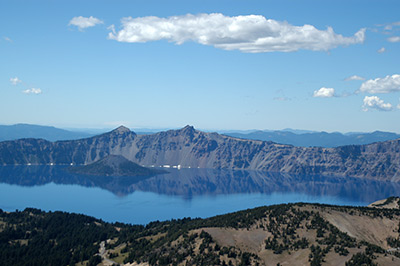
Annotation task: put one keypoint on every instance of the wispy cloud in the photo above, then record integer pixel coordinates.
(324, 93)
(7, 39)
(251, 34)
(32, 91)
(281, 99)
(354, 77)
(389, 27)
(84, 22)
(374, 102)
(15, 81)
(394, 39)
(387, 84)
(382, 50)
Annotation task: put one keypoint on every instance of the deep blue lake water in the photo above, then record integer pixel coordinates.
(178, 194)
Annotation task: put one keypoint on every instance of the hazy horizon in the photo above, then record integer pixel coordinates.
(95, 130)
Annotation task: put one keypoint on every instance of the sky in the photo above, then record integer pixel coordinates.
(217, 65)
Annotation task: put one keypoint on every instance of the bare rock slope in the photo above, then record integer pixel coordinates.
(192, 148)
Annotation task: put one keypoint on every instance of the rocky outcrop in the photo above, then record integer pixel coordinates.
(188, 147)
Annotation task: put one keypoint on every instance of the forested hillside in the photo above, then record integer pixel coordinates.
(281, 234)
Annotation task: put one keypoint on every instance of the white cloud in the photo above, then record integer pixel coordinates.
(83, 22)
(32, 91)
(374, 102)
(324, 93)
(15, 81)
(354, 77)
(381, 85)
(382, 50)
(7, 39)
(251, 34)
(394, 39)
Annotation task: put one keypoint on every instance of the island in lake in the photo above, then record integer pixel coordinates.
(114, 165)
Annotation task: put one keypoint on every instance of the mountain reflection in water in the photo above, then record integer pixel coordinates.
(189, 183)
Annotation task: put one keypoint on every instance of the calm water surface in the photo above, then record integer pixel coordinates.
(178, 194)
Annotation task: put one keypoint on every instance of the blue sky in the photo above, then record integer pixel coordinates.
(212, 64)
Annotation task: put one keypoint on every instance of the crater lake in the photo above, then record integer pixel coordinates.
(177, 194)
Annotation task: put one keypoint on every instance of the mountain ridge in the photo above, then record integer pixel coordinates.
(189, 147)
(296, 137)
(18, 131)
(317, 139)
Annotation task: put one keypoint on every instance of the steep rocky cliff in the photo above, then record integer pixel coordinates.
(188, 147)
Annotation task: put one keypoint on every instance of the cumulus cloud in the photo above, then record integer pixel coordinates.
(15, 81)
(83, 22)
(251, 34)
(324, 93)
(354, 77)
(394, 39)
(374, 102)
(382, 50)
(32, 91)
(387, 84)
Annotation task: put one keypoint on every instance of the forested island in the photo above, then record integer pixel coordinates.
(301, 234)
(114, 165)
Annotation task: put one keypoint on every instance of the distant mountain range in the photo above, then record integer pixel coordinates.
(188, 147)
(301, 138)
(21, 131)
(317, 139)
